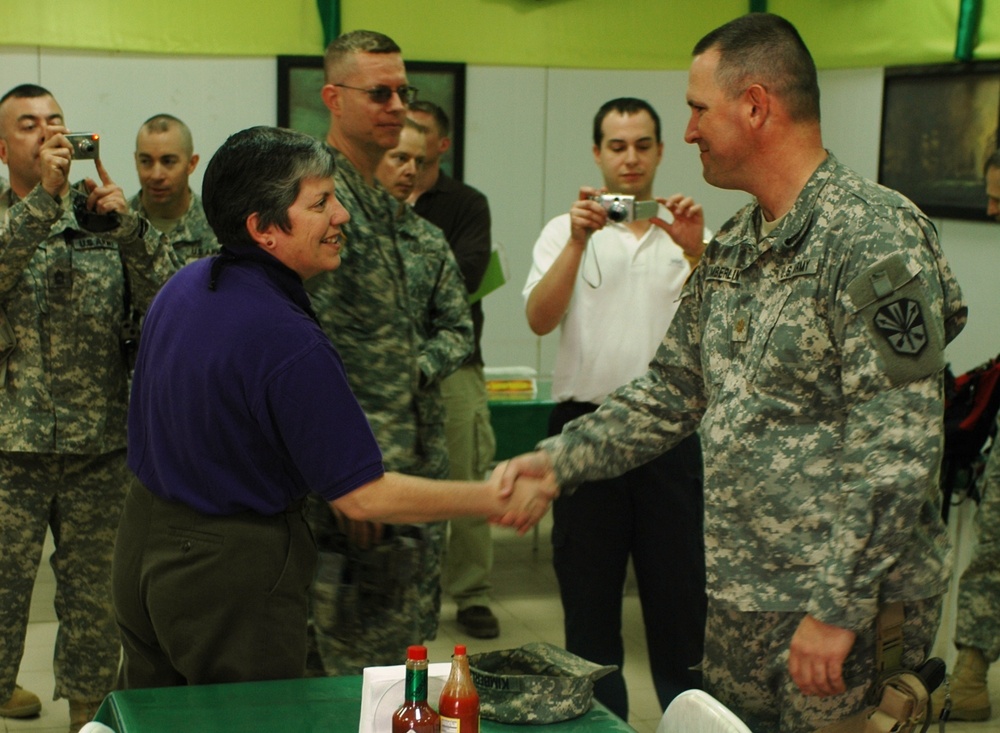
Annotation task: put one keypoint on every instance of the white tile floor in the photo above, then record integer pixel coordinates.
(526, 601)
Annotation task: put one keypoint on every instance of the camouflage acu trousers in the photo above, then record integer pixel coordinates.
(979, 591)
(80, 499)
(746, 667)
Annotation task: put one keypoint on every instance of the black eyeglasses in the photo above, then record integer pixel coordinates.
(382, 94)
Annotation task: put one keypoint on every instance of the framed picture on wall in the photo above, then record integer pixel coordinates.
(301, 108)
(939, 124)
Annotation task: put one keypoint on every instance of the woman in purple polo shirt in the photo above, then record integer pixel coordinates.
(240, 407)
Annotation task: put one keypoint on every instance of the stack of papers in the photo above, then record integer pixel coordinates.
(515, 381)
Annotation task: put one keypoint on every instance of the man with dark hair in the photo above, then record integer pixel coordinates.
(69, 258)
(808, 351)
(612, 290)
(463, 214)
(377, 588)
(164, 160)
(440, 312)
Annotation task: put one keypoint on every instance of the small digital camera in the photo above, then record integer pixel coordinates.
(86, 145)
(624, 208)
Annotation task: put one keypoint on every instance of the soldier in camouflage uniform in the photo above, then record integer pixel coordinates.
(808, 349)
(164, 160)
(366, 308)
(977, 634)
(444, 326)
(64, 393)
(463, 214)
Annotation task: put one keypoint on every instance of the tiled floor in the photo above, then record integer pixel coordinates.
(526, 601)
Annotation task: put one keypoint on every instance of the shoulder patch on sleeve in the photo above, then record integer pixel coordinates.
(902, 324)
(895, 305)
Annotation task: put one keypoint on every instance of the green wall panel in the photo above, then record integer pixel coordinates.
(638, 34)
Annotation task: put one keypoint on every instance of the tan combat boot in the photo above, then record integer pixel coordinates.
(22, 704)
(82, 712)
(970, 697)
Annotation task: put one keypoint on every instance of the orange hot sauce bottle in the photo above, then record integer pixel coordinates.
(415, 714)
(459, 704)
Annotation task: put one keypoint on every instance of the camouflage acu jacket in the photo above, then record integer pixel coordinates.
(365, 308)
(438, 294)
(63, 290)
(811, 362)
(443, 320)
(192, 238)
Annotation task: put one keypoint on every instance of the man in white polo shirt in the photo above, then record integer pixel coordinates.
(612, 289)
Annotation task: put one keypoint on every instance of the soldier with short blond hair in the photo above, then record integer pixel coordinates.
(377, 586)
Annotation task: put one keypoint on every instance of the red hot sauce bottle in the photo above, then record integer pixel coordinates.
(415, 714)
(459, 704)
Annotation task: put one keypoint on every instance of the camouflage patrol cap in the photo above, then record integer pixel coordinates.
(535, 683)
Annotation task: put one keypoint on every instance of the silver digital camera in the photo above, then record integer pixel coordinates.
(624, 208)
(86, 145)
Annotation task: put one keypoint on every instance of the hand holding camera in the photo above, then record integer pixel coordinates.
(686, 225)
(108, 198)
(105, 203)
(54, 158)
(84, 145)
(596, 207)
(623, 208)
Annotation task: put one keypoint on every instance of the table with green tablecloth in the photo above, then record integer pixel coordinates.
(315, 705)
(520, 421)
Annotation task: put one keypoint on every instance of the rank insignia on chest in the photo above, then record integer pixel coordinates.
(740, 328)
(902, 324)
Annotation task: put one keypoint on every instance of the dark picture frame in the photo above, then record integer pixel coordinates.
(301, 108)
(939, 124)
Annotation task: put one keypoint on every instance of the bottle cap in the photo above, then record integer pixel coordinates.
(416, 652)
(460, 650)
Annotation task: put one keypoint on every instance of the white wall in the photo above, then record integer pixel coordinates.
(528, 141)
(528, 181)
(112, 94)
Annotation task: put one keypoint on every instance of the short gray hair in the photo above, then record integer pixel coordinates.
(259, 171)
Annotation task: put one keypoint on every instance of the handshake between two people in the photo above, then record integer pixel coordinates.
(527, 485)
(517, 494)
